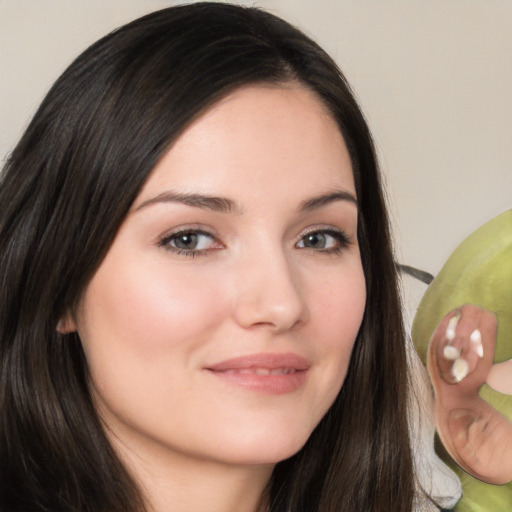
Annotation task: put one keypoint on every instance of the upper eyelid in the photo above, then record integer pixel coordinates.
(325, 229)
(316, 228)
(188, 229)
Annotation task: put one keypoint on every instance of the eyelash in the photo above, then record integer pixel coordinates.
(165, 242)
(340, 237)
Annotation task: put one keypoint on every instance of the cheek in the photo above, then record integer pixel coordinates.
(143, 310)
(337, 307)
(142, 327)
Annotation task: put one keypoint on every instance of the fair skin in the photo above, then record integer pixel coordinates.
(218, 332)
(500, 377)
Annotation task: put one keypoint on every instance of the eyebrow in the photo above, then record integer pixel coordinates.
(225, 205)
(205, 202)
(325, 199)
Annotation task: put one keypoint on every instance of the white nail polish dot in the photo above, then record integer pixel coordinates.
(451, 353)
(452, 326)
(476, 337)
(450, 334)
(460, 369)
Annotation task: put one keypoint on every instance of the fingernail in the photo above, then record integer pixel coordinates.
(452, 326)
(460, 369)
(476, 340)
(451, 353)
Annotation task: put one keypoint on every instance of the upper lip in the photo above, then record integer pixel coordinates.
(272, 361)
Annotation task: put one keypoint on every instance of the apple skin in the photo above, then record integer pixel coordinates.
(479, 272)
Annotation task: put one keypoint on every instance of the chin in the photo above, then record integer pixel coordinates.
(269, 450)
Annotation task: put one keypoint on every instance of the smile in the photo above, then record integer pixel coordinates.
(273, 374)
(264, 371)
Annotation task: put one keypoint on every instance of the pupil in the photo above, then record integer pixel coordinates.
(315, 240)
(186, 241)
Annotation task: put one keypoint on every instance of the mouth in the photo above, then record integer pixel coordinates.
(274, 374)
(262, 371)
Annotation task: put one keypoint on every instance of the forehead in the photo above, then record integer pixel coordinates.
(272, 134)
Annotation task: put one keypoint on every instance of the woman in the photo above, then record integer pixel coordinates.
(198, 300)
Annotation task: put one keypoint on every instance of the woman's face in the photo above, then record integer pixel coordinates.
(220, 324)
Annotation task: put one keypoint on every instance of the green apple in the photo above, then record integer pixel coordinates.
(479, 272)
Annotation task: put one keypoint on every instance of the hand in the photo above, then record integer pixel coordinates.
(460, 357)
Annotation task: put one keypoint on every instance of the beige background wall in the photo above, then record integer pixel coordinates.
(434, 78)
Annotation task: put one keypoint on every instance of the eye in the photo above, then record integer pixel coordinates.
(325, 240)
(189, 242)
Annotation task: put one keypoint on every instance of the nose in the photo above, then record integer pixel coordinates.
(268, 293)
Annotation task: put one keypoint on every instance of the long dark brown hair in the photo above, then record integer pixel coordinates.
(64, 192)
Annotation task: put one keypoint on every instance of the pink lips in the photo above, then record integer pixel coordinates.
(267, 373)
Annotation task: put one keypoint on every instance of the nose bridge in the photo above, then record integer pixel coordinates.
(269, 290)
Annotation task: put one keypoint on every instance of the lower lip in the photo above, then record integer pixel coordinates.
(268, 384)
